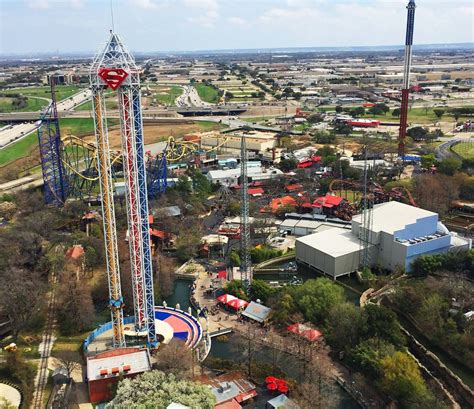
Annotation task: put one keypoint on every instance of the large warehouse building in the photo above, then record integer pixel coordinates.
(398, 234)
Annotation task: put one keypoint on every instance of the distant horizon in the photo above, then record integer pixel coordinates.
(147, 26)
(263, 50)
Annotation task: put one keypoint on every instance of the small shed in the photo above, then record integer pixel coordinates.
(60, 376)
(257, 312)
(281, 402)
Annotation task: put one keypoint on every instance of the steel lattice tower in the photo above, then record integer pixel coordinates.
(245, 241)
(49, 140)
(406, 78)
(114, 67)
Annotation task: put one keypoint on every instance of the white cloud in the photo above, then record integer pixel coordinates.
(145, 4)
(77, 4)
(39, 4)
(237, 21)
(208, 11)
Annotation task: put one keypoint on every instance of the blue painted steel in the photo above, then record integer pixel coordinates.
(49, 140)
(157, 175)
(145, 227)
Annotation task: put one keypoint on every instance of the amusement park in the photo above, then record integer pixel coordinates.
(241, 230)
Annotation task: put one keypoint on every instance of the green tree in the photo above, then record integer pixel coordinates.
(339, 109)
(315, 118)
(383, 323)
(417, 133)
(155, 389)
(396, 112)
(260, 290)
(428, 161)
(284, 308)
(367, 356)
(317, 297)
(236, 288)
(402, 380)
(345, 326)
(467, 188)
(359, 111)
(439, 113)
(234, 258)
(449, 166)
(288, 164)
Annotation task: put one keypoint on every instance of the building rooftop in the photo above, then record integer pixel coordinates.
(118, 361)
(257, 312)
(393, 216)
(335, 241)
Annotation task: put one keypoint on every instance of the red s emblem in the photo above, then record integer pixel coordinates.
(113, 77)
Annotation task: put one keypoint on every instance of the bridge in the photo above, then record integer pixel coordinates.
(223, 331)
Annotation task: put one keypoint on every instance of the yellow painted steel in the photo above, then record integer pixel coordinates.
(109, 221)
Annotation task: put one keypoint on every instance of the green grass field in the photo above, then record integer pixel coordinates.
(464, 149)
(110, 103)
(166, 95)
(62, 91)
(74, 126)
(207, 93)
(32, 104)
(19, 149)
(423, 116)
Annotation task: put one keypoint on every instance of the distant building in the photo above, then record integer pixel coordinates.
(60, 78)
(398, 235)
(230, 177)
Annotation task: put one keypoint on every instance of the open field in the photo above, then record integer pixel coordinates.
(207, 93)
(32, 104)
(62, 91)
(421, 116)
(464, 149)
(27, 145)
(165, 95)
(161, 132)
(110, 103)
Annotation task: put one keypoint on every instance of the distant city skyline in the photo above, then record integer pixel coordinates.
(74, 26)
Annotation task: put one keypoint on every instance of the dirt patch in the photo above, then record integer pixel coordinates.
(152, 133)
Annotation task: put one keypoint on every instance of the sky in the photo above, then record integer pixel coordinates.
(57, 26)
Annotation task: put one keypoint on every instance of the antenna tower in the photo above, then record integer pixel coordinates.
(406, 78)
(366, 225)
(245, 241)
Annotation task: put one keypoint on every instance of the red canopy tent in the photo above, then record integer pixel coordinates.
(272, 386)
(308, 333)
(237, 303)
(222, 274)
(225, 298)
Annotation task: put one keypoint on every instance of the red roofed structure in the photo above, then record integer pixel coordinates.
(294, 187)
(327, 204)
(280, 202)
(308, 333)
(255, 191)
(75, 252)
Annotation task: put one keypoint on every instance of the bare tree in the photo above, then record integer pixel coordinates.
(21, 297)
(175, 358)
(69, 360)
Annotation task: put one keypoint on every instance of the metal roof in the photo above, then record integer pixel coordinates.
(334, 242)
(256, 312)
(394, 216)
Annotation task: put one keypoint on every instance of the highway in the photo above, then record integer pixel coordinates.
(12, 133)
(191, 98)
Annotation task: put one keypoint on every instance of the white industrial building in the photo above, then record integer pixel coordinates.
(398, 234)
(230, 177)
